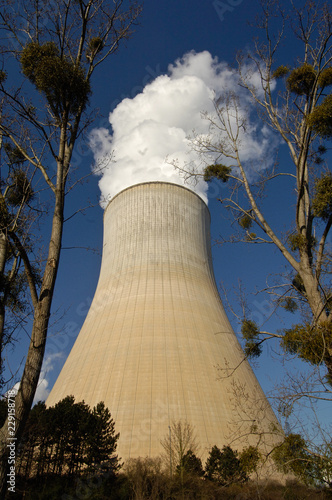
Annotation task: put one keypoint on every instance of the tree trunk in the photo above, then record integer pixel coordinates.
(3, 253)
(318, 308)
(30, 377)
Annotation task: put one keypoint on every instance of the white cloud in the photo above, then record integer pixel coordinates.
(152, 129)
(42, 391)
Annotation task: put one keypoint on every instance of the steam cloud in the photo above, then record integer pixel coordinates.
(150, 131)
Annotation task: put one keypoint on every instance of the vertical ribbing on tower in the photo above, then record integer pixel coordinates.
(156, 331)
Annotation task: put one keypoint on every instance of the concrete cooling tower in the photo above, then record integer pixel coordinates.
(156, 345)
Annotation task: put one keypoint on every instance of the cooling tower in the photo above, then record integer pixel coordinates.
(156, 345)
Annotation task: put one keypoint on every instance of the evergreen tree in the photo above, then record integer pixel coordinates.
(191, 464)
(67, 439)
(102, 443)
(224, 467)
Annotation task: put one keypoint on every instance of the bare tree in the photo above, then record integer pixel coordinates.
(146, 477)
(177, 443)
(57, 47)
(15, 215)
(295, 103)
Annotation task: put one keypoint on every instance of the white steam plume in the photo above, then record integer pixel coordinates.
(151, 131)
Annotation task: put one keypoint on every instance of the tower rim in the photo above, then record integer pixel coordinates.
(146, 183)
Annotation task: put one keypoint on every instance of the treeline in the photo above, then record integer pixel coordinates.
(68, 439)
(68, 451)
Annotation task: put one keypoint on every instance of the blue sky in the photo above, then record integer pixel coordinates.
(167, 31)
